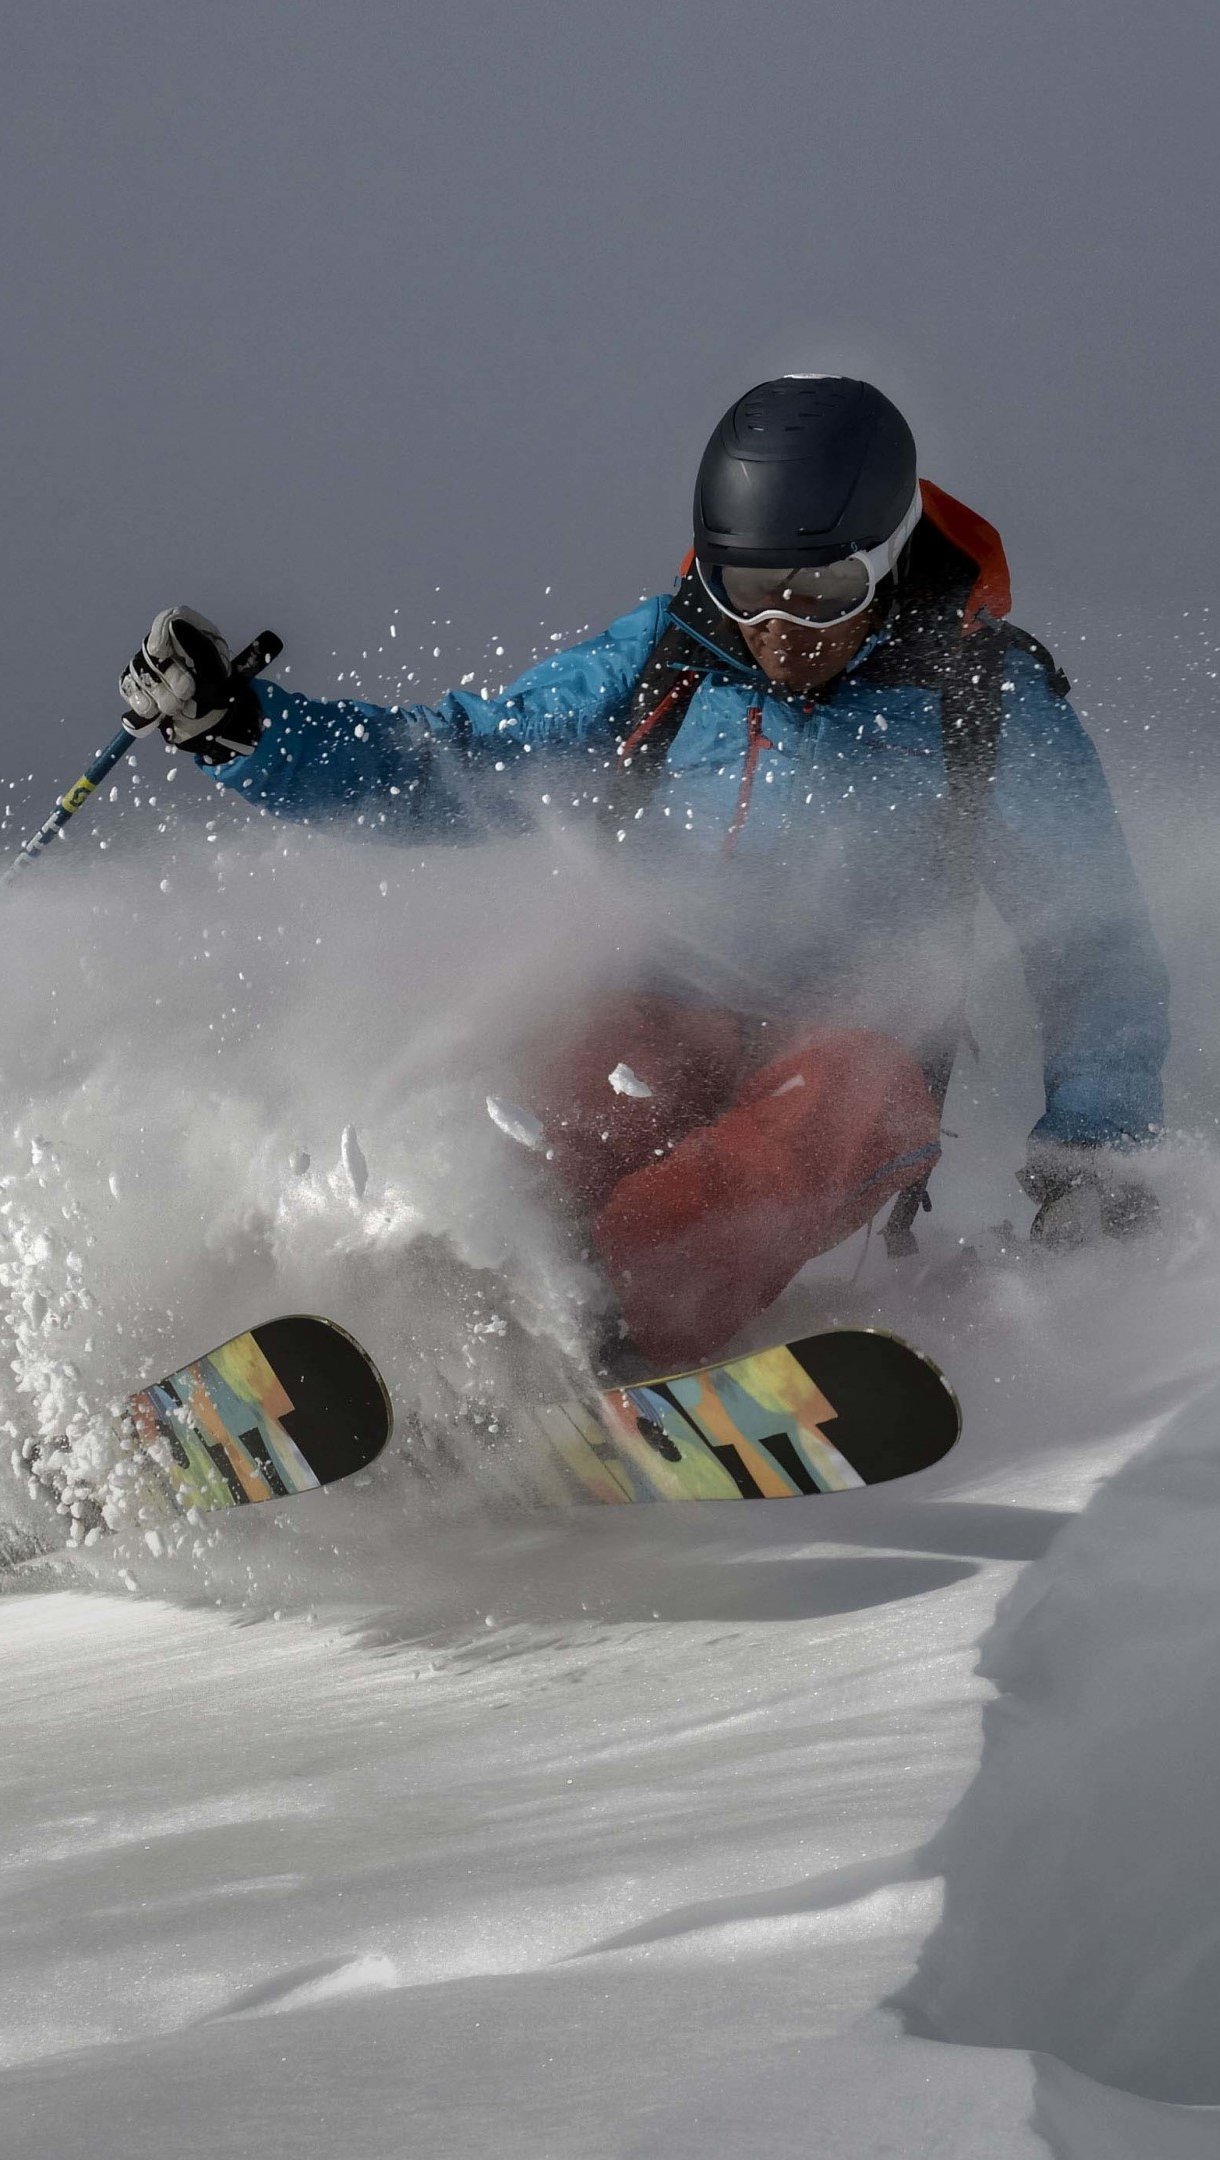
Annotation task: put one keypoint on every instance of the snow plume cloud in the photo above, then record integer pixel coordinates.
(244, 1071)
(251, 1068)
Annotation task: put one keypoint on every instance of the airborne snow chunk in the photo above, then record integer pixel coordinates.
(625, 1082)
(353, 1161)
(518, 1124)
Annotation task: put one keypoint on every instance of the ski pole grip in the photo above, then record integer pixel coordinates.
(257, 655)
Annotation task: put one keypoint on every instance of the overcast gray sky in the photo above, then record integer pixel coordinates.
(313, 307)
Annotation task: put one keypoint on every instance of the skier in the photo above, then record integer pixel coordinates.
(833, 711)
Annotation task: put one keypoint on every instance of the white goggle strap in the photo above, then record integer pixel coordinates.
(892, 548)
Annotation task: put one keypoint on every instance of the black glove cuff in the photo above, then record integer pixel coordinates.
(235, 734)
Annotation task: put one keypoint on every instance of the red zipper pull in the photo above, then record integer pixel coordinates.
(754, 727)
(756, 743)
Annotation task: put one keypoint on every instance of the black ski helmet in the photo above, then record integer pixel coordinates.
(804, 470)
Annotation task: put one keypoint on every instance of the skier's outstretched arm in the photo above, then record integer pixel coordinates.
(1057, 866)
(442, 768)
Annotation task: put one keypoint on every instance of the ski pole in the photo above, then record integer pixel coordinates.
(257, 655)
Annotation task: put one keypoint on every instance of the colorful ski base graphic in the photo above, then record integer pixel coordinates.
(296, 1403)
(284, 1408)
(848, 1408)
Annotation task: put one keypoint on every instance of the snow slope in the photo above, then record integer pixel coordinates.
(393, 1822)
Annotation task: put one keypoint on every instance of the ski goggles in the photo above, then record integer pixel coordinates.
(820, 594)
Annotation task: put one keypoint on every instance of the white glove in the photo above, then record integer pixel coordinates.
(181, 681)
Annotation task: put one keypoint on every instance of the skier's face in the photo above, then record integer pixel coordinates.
(805, 658)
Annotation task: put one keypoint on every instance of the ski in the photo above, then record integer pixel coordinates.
(284, 1408)
(825, 1413)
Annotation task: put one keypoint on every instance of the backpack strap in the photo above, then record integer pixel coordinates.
(1026, 642)
(670, 677)
(695, 642)
(972, 715)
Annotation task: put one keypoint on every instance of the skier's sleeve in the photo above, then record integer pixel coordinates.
(444, 768)
(1057, 866)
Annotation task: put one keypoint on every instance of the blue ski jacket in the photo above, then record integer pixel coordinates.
(855, 778)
